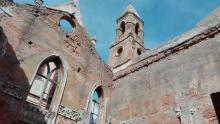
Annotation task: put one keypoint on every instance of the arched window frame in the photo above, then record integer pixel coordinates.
(94, 103)
(45, 74)
(56, 99)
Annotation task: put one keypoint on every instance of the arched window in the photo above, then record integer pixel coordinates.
(137, 28)
(95, 105)
(46, 80)
(122, 26)
(66, 25)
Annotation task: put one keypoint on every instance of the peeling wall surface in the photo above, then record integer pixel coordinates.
(172, 84)
(181, 81)
(177, 83)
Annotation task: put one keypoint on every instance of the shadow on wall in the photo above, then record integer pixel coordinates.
(13, 84)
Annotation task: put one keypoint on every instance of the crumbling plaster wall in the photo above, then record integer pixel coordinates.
(182, 81)
(32, 39)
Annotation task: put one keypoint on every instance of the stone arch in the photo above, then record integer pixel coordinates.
(46, 80)
(95, 104)
(96, 85)
(57, 99)
(68, 19)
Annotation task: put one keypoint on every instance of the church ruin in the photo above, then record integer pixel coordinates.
(52, 76)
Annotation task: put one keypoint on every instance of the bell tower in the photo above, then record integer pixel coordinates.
(129, 42)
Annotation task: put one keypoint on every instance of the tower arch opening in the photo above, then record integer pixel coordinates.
(122, 26)
(137, 26)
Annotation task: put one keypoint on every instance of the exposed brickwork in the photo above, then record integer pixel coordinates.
(30, 40)
(169, 86)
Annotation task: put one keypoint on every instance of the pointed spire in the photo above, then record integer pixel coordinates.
(131, 9)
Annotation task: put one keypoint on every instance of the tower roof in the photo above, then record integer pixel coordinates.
(131, 9)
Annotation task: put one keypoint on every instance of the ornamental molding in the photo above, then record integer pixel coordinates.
(13, 90)
(69, 113)
(32, 113)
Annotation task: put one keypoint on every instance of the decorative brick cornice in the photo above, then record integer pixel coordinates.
(13, 90)
(209, 33)
(69, 113)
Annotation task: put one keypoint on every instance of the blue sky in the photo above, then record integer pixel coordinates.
(163, 19)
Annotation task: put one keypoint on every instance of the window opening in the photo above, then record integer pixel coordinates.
(119, 51)
(95, 106)
(44, 85)
(122, 26)
(139, 51)
(66, 26)
(137, 28)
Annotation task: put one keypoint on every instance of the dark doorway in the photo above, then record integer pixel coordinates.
(216, 103)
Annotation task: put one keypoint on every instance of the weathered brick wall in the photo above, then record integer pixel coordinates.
(182, 80)
(32, 39)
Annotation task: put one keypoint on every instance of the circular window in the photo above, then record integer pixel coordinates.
(66, 26)
(119, 51)
(139, 51)
(122, 26)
